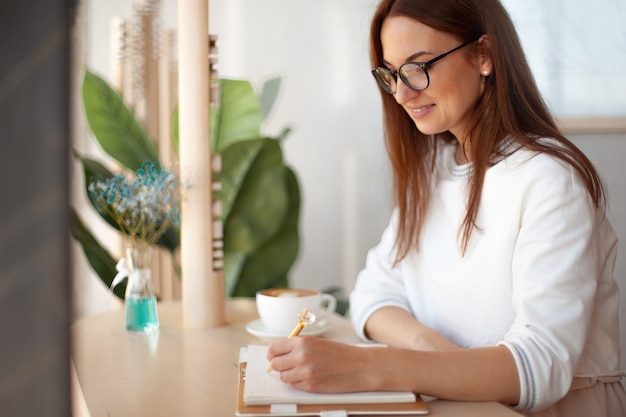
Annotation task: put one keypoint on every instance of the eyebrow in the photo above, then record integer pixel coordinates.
(410, 58)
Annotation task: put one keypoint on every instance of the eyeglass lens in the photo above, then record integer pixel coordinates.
(412, 74)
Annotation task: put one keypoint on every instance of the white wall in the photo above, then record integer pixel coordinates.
(330, 100)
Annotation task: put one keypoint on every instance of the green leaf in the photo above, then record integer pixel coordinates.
(239, 116)
(98, 257)
(170, 239)
(237, 161)
(114, 125)
(269, 266)
(95, 171)
(262, 198)
(284, 133)
(233, 263)
(268, 95)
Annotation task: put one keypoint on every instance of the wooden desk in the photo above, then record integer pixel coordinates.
(181, 372)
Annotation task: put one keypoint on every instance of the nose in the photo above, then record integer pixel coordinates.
(404, 93)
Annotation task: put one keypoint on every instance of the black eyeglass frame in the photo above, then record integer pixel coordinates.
(421, 65)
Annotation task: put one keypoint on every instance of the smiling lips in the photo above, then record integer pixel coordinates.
(420, 110)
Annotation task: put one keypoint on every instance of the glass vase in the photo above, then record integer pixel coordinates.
(140, 300)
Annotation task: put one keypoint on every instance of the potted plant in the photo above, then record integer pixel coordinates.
(260, 194)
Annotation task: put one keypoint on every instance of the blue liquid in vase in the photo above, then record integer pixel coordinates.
(141, 314)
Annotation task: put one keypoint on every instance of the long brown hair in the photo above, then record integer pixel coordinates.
(511, 106)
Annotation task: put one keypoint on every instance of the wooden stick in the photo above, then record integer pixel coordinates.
(203, 291)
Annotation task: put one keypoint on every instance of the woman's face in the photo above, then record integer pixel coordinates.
(455, 81)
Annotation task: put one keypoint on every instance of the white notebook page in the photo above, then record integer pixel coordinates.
(262, 388)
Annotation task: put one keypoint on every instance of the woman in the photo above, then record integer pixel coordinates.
(494, 279)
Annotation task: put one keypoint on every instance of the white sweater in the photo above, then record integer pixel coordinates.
(537, 277)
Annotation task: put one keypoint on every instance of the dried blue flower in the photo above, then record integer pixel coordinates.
(143, 206)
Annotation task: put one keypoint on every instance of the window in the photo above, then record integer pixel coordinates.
(577, 52)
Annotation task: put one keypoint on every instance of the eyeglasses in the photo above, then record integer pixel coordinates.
(413, 74)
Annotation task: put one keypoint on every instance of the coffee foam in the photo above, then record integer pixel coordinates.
(288, 292)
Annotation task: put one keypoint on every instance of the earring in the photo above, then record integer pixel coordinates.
(486, 73)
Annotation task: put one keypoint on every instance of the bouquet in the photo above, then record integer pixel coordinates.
(143, 206)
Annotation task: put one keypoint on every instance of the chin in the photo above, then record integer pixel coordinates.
(428, 130)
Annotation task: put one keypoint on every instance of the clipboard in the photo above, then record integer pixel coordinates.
(418, 407)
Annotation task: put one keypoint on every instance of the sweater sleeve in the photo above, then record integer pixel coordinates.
(378, 284)
(557, 263)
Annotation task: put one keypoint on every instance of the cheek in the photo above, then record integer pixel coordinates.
(461, 94)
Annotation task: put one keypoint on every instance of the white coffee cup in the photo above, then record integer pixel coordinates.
(279, 307)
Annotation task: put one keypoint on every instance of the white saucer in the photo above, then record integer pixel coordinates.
(258, 329)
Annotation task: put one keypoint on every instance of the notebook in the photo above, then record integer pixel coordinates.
(264, 394)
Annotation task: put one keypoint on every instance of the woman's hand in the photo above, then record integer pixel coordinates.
(320, 365)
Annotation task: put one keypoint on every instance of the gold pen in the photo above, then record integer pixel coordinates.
(305, 318)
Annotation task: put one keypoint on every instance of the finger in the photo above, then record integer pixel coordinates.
(278, 348)
(282, 363)
(288, 375)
